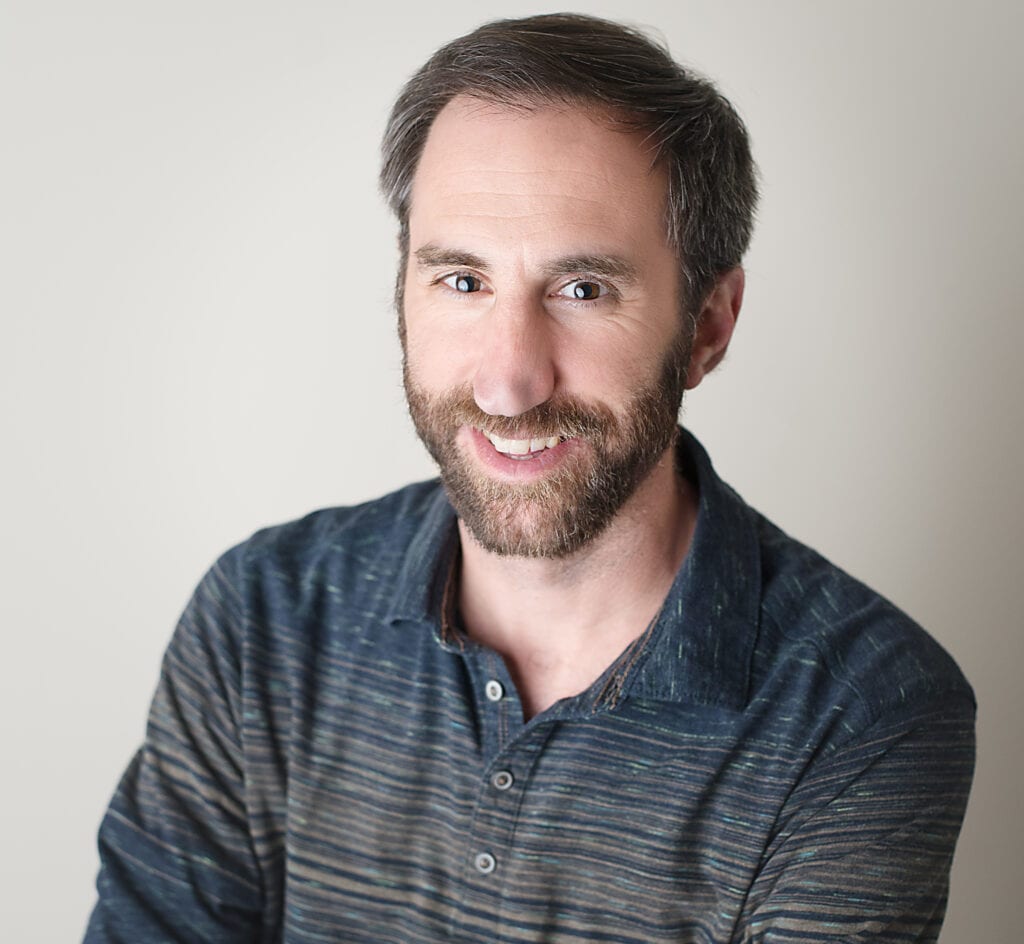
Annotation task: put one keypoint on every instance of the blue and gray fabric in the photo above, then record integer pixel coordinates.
(782, 756)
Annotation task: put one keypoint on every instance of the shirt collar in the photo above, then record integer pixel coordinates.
(699, 649)
(703, 640)
(427, 562)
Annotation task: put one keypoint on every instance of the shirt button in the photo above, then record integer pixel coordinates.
(484, 863)
(502, 780)
(494, 690)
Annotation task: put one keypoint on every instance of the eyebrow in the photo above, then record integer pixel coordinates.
(604, 266)
(430, 255)
(608, 267)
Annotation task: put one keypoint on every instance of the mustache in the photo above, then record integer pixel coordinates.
(564, 416)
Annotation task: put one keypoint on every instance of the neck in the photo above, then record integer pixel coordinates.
(560, 623)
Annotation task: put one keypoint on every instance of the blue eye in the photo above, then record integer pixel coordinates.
(463, 282)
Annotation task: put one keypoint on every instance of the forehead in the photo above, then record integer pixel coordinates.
(489, 161)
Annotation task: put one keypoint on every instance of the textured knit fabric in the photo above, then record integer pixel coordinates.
(783, 756)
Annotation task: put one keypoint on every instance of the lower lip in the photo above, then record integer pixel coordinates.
(519, 467)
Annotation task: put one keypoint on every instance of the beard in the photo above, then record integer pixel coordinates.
(566, 508)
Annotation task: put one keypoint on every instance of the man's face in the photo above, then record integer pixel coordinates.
(544, 344)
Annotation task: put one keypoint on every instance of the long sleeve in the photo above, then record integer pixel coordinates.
(177, 861)
(863, 848)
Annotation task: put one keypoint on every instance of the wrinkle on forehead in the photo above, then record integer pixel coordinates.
(492, 164)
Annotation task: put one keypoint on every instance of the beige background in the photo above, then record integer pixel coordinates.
(197, 340)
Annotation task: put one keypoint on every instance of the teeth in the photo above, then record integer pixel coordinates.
(521, 447)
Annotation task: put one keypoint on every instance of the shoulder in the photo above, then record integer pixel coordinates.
(367, 530)
(350, 557)
(366, 523)
(827, 637)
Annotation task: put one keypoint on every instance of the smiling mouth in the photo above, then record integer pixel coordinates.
(522, 448)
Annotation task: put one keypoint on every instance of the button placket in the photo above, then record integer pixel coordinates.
(507, 751)
(491, 859)
(493, 808)
(500, 705)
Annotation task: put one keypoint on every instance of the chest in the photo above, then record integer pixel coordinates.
(416, 805)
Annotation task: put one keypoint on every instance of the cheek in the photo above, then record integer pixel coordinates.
(614, 362)
(437, 360)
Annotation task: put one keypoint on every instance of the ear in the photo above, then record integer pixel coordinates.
(715, 325)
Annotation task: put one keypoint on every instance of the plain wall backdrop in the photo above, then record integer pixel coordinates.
(198, 340)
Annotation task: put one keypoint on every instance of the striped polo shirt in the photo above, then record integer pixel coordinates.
(782, 756)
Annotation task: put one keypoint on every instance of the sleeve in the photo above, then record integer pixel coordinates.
(177, 862)
(864, 844)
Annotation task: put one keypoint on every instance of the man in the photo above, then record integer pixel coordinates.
(582, 692)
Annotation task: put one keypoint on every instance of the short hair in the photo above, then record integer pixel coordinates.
(583, 60)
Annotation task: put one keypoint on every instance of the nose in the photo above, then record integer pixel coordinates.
(516, 369)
